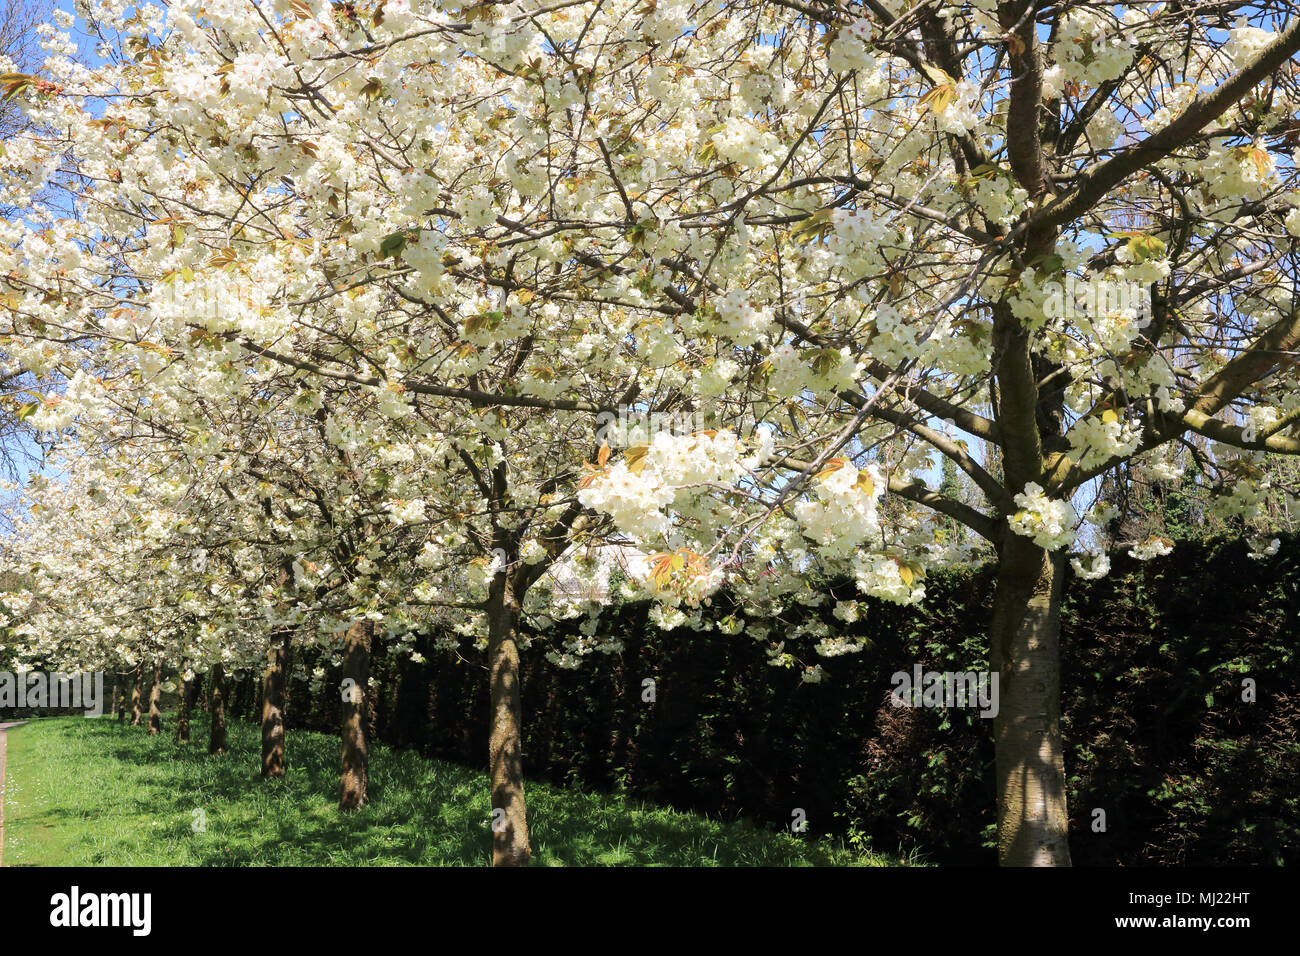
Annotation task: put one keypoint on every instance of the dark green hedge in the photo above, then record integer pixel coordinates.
(1157, 733)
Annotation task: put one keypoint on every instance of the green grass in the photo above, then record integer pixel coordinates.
(95, 793)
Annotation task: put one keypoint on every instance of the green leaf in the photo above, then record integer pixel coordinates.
(814, 227)
(1146, 247)
(392, 245)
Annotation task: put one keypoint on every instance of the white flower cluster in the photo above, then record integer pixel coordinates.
(758, 85)
(1049, 521)
(794, 370)
(1245, 43)
(1094, 440)
(194, 92)
(570, 657)
(1259, 417)
(405, 512)
(1140, 268)
(1091, 565)
(1103, 513)
(634, 500)
(739, 318)
(959, 350)
(958, 115)
(789, 374)
(731, 625)
(1163, 465)
(851, 48)
(665, 21)
(1000, 198)
(695, 458)
(778, 656)
(1104, 129)
(424, 255)
(715, 378)
(476, 208)
(856, 238)
(881, 576)
(895, 337)
(1292, 222)
(814, 674)
(1088, 51)
(847, 611)
(1235, 172)
(1242, 499)
(838, 646)
(1151, 548)
(635, 494)
(391, 402)
(741, 142)
(397, 15)
(843, 514)
(1261, 549)
(252, 77)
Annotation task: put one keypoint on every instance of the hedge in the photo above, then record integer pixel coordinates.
(1157, 733)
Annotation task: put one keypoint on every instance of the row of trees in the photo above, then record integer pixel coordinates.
(350, 301)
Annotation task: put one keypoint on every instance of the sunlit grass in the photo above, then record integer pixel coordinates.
(95, 793)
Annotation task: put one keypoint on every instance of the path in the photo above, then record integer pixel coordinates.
(3, 728)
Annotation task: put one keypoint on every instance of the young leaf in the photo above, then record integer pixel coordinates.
(832, 465)
(635, 457)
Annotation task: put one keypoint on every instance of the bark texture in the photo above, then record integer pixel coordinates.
(217, 708)
(356, 679)
(137, 696)
(273, 707)
(510, 845)
(183, 712)
(1033, 823)
(155, 701)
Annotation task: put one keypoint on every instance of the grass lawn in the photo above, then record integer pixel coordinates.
(95, 793)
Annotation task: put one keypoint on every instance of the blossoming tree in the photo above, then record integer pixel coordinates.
(851, 239)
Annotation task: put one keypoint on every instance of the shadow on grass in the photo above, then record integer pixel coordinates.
(142, 800)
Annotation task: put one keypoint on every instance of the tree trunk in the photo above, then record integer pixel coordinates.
(183, 708)
(155, 701)
(505, 744)
(1033, 825)
(137, 695)
(217, 727)
(273, 707)
(183, 715)
(356, 682)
